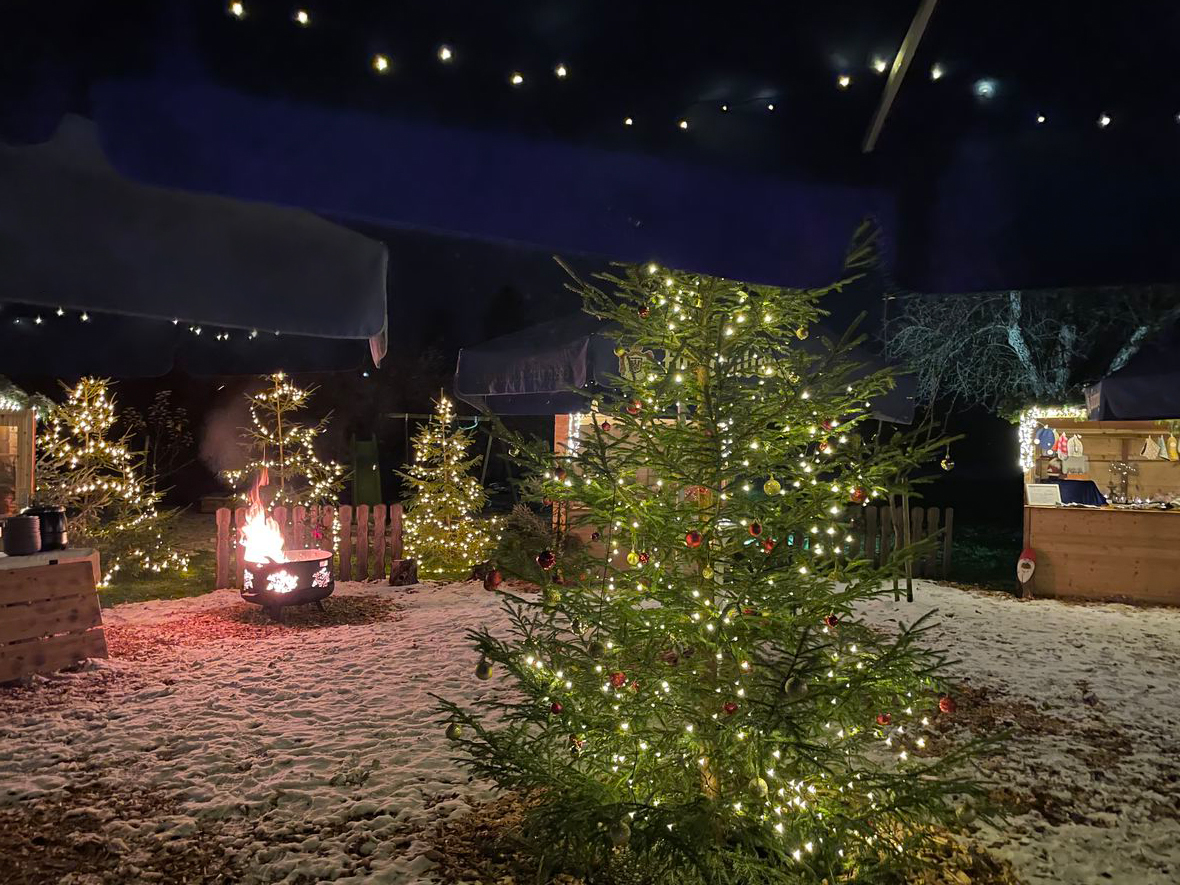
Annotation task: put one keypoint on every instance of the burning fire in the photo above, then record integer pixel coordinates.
(261, 535)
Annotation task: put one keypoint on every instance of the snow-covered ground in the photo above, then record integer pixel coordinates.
(314, 754)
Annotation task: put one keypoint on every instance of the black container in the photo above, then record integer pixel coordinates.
(53, 526)
(22, 535)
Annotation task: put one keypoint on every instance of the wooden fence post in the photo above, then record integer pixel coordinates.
(930, 563)
(396, 550)
(327, 515)
(222, 579)
(362, 542)
(948, 523)
(379, 542)
(299, 526)
(240, 551)
(345, 512)
(279, 515)
(871, 535)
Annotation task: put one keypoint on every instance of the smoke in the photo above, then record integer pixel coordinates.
(221, 436)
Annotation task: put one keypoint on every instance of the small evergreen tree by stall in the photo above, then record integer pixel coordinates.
(87, 466)
(442, 530)
(694, 689)
(281, 442)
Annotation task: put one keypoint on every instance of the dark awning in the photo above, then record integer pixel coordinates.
(75, 234)
(540, 370)
(1147, 388)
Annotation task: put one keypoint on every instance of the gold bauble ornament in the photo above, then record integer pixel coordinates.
(801, 332)
(707, 573)
(772, 487)
(633, 558)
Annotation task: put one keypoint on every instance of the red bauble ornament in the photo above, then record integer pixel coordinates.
(827, 425)
(644, 311)
(634, 686)
(546, 559)
(767, 545)
(730, 708)
(594, 536)
(693, 538)
(831, 620)
(606, 427)
(560, 473)
(644, 558)
(884, 719)
(749, 611)
(947, 704)
(493, 579)
(633, 409)
(824, 446)
(755, 529)
(556, 708)
(857, 495)
(618, 679)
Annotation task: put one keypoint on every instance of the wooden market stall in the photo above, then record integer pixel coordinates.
(17, 430)
(1102, 508)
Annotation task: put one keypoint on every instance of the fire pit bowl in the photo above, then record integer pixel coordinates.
(302, 577)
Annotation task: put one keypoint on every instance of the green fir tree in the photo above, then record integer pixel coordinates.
(86, 464)
(443, 530)
(693, 693)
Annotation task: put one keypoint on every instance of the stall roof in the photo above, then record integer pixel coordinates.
(75, 234)
(551, 367)
(1147, 388)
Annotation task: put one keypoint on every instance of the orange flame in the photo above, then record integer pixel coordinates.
(261, 537)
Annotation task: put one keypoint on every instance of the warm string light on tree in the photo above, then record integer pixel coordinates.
(696, 675)
(111, 501)
(443, 530)
(278, 442)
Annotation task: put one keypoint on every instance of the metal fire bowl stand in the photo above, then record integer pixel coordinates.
(305, 577)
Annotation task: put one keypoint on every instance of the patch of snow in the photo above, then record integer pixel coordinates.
(317, 754)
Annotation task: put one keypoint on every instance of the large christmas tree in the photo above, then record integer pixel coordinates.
(443, 531)
(282, 443)
(694, 689)
(86, 465)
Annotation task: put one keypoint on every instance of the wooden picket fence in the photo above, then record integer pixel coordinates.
(878, 537)
(370, 538)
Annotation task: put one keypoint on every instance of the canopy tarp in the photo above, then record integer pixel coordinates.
(1147, 388)
(551, 368)
(76, 234)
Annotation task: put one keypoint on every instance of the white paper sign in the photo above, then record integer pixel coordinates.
(1043, 493)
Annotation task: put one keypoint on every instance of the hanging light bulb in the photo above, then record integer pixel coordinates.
(380, 63)
(445, 53)
(627, 121)
(237, 10)
(880, 65)
(683, 124)
(516, 78)
(1103, 121)
(936, 72)
(844, 81)
(561, 71)
(302, 17)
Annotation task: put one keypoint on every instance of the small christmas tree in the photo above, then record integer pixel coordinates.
(442, 529)
(693, 688)
(111, 502)
(278, 442)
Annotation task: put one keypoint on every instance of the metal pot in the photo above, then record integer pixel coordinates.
(53, 526)
(22, 535)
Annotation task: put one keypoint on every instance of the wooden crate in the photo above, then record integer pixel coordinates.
(49, 617)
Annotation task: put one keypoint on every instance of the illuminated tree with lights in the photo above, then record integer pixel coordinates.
(693, 687)
(443, 531)
(85, 465)
(278, 441)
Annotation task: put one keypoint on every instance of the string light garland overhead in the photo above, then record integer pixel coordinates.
(984, 89)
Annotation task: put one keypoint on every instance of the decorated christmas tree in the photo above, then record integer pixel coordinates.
(693, 690)
(280, 441)
(443, 530)
(86, 465)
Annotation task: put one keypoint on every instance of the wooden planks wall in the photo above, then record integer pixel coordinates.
(1105, 554)
(49, 618)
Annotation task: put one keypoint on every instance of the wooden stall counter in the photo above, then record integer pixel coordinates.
(1105, 553)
